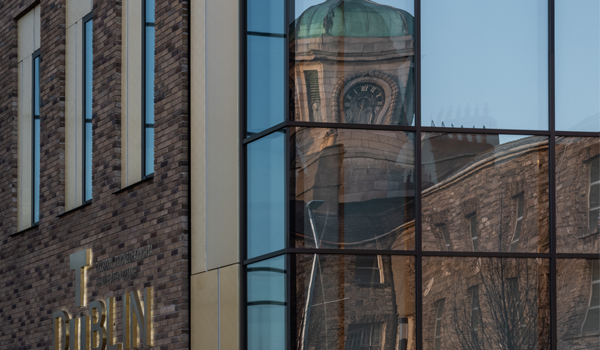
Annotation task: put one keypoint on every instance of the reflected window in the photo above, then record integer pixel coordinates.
(594, 196)
(368, 269)
(365, 336)
(439, 315)
(446, 236)
(514, 244)
(475, 314)
(592, 318)
(473, 231)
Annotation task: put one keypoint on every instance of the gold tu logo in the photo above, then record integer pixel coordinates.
(96, 331)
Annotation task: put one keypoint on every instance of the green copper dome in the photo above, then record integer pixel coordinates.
(353, 18)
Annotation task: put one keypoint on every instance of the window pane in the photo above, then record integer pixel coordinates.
(36, 170)
(577, 41)
(265, 82)
(149, 152)
(576, 195)
(578, 324)
(88, 161)
(334, 311)
(487, 174)
(36, 86)
(362, 54)
(266, 197)
(354, 188)
(485, 64)
(513, 302)
(266, 16)
(150, 11)
(266, 304)
(149, 75)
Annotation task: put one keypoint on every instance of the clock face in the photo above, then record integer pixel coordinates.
(363, 102)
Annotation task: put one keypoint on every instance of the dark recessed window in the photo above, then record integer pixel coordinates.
(473, 229)
(592, 319)
(439, 307)
(594, 196)
(368, 269)
(514, 244)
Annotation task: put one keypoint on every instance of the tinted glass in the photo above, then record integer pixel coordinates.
(266, 16)
(484, 64)
(149, 89)
(89, 76)
(486, 174)
(265, 82)
(266, 185)
(353, 62)
(36, 140)
(266, 304)
(577, 40)
(512, 304)
(335, 310)
(578, 304)
(354, 189)
(577, 192)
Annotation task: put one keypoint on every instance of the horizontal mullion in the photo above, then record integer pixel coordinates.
(351, 126)
(264, 133)
(577, 133)
(264, 257)
(272, 35)
(470, 254)
(577, 256)
(484, 131)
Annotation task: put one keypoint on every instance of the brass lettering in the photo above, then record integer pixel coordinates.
(61, 330)
(140, 319)
(110, 325)
(79, 262)
(98, 332)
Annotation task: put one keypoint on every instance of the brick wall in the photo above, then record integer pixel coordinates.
(35, 278)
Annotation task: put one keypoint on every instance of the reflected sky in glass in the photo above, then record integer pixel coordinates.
(266, 304)
(265, 82)
(577, 36)
(89, 76)
(484, 63)
(406, 5)
(36, 141)
(266, 16)
(266, 185)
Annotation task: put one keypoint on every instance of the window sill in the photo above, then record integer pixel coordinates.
(587, 233)
(145, 179)
(88, 203)
(30, 228)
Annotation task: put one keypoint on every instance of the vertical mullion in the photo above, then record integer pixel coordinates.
(418, 245)
(552, 175)
(243, 60)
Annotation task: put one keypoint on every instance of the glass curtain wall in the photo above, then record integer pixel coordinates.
(88, 76)
(419, 175)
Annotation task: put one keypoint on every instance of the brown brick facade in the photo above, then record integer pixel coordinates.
(35, 277)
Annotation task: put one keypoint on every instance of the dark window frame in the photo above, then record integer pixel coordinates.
(85, 171)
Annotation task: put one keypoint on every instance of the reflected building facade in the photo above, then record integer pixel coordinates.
(395, 234)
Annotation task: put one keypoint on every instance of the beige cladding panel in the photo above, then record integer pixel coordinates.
(205, 311)
(198, 166)
(77, 9)
(229, 307)
(26, 35)
(36, 27)
(25, 143)
(222, 133)
(74, 116)
(131, 105)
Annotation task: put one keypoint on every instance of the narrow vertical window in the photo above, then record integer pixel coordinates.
(474, 294)
(594, 196)
(446, 236)
(313, 95)
(518, 227)
(592, 318)
(368, 269)
(88, 76)
(36, 138)
(439, 313)
(473, 229)
(148, 93)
